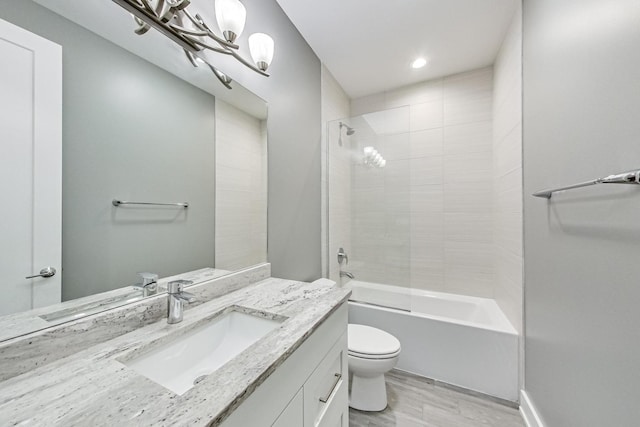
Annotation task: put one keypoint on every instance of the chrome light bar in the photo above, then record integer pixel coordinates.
(190, 32)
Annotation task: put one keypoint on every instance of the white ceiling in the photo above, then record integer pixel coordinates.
(368, 45)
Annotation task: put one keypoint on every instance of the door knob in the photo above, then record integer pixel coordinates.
(45, 272)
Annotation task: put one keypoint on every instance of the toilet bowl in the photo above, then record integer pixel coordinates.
(372, 353)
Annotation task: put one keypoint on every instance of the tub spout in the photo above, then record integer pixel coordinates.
(347, 274)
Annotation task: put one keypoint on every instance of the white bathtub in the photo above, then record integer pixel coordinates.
(460, 340)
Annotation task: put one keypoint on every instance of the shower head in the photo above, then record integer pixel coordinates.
(350, 130)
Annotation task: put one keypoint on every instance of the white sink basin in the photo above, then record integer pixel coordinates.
(183, 362)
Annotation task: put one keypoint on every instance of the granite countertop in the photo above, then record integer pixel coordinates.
(93, 387)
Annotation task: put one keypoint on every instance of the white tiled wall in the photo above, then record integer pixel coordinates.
(446, 212)
(381, 199)
(241, 188)
(507, 174)
(335, 106)
(448, 165)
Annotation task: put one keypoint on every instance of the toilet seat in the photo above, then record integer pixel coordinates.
(371, 343)
(374, 356)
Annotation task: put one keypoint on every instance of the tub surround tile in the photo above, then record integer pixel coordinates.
(93, 388)
(427, 199)
(368, 104)
(426, 171)
(427, 91)
(507, 174)
(471, 197)
(25, 353)
(427, 275)
(468, 227)
(395, 146)
(468, 138)
(508, 232)
(468, 167)
(426, 143)
(426, 115)
(468, 97)
(507, 155)
(442, 172)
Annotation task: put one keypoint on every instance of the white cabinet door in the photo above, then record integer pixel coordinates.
(325, 391)
(292, 416)
(30, 168)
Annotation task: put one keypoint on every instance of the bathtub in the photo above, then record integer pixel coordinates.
(461, 340)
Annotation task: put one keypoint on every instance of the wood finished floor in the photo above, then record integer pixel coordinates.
(419, 402)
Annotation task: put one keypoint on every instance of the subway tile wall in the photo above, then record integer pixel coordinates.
(507, 174)
(381, 198)
(432, 227)
(446, 213)
(241, 188)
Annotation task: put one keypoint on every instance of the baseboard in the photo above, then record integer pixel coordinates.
(528, 411)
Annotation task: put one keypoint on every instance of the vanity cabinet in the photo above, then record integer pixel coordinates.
(325, 392)
(293, 414)
(309, 389)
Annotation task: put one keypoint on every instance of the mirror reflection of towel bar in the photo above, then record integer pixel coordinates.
(117, 203)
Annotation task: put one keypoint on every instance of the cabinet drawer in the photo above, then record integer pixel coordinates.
(325, 391)
(336, 413)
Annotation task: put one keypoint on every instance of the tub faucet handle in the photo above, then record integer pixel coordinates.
(342, 256)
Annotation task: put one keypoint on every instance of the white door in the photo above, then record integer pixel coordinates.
(30, 169)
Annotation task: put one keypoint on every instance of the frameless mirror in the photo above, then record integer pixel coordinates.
(163, 170)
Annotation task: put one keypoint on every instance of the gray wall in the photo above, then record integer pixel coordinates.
(293, 95)
(582, 275)
(132, 131)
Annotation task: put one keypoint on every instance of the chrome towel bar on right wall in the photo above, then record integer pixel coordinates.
(631, 177)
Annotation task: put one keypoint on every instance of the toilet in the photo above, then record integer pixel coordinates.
(372, 353)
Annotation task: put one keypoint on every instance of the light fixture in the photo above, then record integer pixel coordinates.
(262, 48)
(231, 16)
(419, 63)
(173, 19)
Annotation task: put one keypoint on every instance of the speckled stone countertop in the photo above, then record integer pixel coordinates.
(93, 388)
(31, 351)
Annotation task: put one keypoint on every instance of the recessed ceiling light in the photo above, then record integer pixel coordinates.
(419, 63)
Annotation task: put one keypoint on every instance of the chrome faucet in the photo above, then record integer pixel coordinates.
(342, 257)
(149, 285)
(347, 274)
(175, 300)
